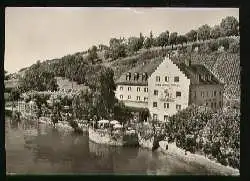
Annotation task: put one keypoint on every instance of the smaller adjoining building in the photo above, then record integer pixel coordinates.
(165, 87)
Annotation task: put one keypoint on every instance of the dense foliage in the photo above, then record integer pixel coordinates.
(38, 78)
(197, 129)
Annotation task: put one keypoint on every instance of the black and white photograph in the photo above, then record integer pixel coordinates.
(122, 91)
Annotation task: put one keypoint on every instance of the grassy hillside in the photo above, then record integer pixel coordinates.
(224, 64)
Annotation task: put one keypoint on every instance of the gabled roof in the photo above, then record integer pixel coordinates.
(191, 71)
(196, 70)
(142, 68)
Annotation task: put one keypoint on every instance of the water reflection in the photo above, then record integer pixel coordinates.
(38, 148)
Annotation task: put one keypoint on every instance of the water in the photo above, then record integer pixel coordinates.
(39, 149)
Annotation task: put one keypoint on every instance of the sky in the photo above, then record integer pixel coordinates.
(44, 33)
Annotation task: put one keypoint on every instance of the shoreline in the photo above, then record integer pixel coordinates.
(105, 140)
(197, 159)
(147, 144)
(173, 150)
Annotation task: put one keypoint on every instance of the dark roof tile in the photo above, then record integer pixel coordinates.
(191, 72)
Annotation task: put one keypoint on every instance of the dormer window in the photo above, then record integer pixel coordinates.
(209, 77)
(144, 76)
(128, 76)
(199, 77)
(136, 76)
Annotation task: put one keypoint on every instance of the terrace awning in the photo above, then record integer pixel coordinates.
(136, 109)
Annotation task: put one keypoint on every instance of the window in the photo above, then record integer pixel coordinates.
(129, 96)
(138, 98)
(145, 89)
(194, 94)
(215, 105)
(166, 105)
(166, 78)
(165, 117)
(214, 93)
(178, 107)
(121, 88)
(154, 104)
(206, 103)
(220, 104)
(158, 78)
(129, 88)
(207, 93)
(121, 96)
(128, 76)
(144, 76)
(155, 92)
(212, 105)
(176, 79)
(145, 99)
(155, 116)
(220, 93)
(138, 89)
(178, 94)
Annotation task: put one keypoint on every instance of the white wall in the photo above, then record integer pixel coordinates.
(167, 68)
(133, 93)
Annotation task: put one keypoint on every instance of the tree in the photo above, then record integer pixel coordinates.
(121, 113)
(173, 38)
(141, 40)
(181, 39)
(225, 43)
(6, 76)
(38, 79)
(191, 35)
(204, 32)
(101, 82)
(213, 45)
(14, 95)
(55, 116)
(117, 48)
(229, 26)
(234, 47)
(147, 43)
(134, 44)
(216, 32)
(103, 47)
(92, 54)
(144, 115)
(162, 39)
(83, 105)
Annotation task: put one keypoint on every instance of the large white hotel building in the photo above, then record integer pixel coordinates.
(165, 88)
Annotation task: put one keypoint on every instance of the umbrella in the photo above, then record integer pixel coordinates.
(117, 126)
(114, 122)
(103, 121)
(31, 102)
(66, 107)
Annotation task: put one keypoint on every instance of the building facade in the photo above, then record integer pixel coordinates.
(168, 91)
(166, 88)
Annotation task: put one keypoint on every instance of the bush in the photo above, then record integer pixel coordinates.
(213, 45)
(212, 129)
(234, 47)
(224, 42)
